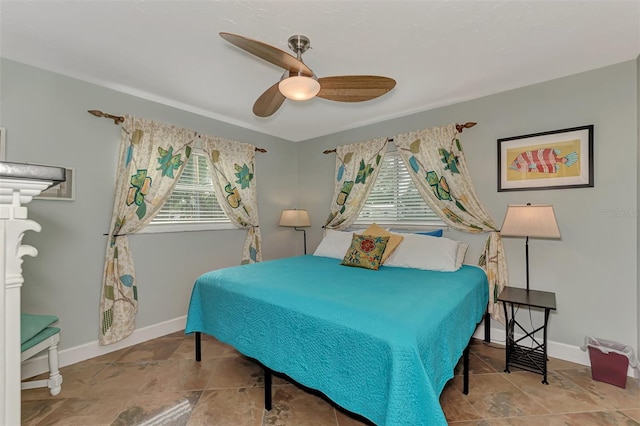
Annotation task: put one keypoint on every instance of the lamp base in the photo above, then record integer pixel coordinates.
(305, 238)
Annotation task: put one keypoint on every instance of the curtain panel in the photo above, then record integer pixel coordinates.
(357, 167)
(151, 159)
(233, 172)
(436, 163)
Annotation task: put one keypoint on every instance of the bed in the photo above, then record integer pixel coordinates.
(380, 343)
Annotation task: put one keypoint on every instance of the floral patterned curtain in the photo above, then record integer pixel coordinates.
(233, 166)
(356, 171)
(152, 157)
(437, 166)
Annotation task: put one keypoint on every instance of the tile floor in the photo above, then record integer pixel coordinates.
(159, 383)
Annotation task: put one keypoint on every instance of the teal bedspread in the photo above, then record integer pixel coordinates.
(381, 344)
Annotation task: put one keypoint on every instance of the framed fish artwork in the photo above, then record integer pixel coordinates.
(549, 160)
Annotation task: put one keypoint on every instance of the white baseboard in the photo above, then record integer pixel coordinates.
(38, 365)
(554, 349)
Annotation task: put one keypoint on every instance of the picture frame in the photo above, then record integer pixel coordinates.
(556, 159)
(3, 136)
(64, 191)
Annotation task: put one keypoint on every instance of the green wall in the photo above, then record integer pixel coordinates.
(593, 268)
(46, 118)
(638, 202)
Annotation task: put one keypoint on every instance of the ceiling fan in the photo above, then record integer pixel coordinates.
(300, 83)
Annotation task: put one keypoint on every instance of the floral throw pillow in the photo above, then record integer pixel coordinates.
(365, 251)
(394, 239)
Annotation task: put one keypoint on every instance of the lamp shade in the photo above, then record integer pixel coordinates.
(530, 220)
(295, 218)
(298, 87)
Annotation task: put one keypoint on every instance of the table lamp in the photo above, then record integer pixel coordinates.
(296, 219)
(535, 221)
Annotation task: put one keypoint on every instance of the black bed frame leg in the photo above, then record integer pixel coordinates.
(465, 374)
(198, 347)
(487, 327)
(267, 388)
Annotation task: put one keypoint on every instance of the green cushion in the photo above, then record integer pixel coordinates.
(44, 334)
(365, 251)
(31, 325)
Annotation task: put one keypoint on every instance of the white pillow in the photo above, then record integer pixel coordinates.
(425, 252)
(462, 251)
(334, 244)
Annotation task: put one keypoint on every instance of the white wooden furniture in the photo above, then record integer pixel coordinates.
(38, 335)
(19, 183)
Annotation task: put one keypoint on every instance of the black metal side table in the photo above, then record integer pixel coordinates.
(534, 357)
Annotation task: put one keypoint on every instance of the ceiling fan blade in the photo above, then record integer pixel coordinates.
(268, 102)
(354, 88)
(268, 53)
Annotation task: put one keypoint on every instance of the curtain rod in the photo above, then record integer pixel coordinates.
(459, 128)
(117, 119)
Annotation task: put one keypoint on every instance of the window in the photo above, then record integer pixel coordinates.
(395, 200)
(193, 205)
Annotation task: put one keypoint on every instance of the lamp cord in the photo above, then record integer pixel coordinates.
(526, 254)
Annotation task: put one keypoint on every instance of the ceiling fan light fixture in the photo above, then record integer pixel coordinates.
(298, 87)
(300, 83)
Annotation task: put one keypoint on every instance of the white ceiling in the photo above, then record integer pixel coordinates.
(439, 52)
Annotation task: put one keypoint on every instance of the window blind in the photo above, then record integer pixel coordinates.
(395, 200)
(193, 199)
